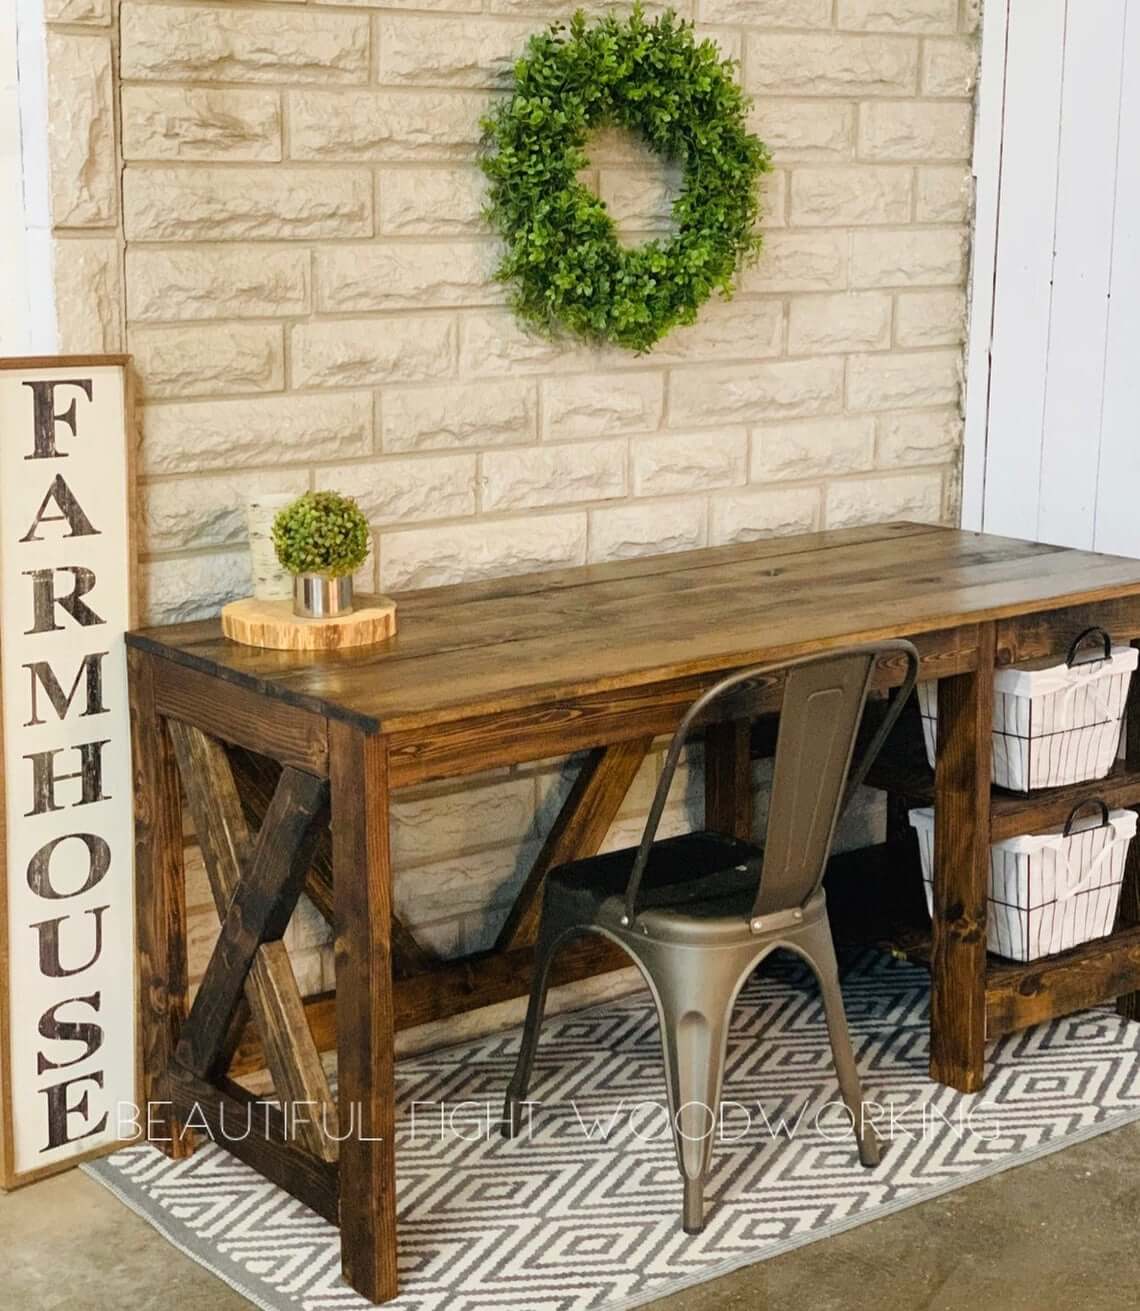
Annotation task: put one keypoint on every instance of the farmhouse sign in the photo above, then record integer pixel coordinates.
(67, 1029)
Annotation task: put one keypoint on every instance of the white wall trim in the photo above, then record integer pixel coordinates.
(988, 127)
(13, 269)
(27, 308)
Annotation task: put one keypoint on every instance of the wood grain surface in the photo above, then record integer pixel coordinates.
(541, 639)
(273, 624)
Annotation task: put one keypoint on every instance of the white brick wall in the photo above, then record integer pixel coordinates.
(276, 207)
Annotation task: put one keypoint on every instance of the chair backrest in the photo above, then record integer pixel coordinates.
(820, 715)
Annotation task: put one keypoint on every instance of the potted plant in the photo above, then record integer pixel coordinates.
(321, 538)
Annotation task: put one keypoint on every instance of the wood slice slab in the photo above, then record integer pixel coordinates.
(273, 624)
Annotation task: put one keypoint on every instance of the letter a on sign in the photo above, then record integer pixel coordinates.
(67, 959)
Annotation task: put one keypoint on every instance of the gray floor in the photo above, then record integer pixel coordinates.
(1055, 1235)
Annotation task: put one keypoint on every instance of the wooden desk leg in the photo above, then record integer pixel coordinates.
(362, 889)
(728, 779)
(160, 909)
(1129, 1004)
(961, 873)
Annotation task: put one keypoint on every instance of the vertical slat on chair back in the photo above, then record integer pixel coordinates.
(819, 721)
(822, 704)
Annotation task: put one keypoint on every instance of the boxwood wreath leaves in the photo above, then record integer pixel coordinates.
(569, 273)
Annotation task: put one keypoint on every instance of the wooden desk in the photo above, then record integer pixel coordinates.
(604, 657)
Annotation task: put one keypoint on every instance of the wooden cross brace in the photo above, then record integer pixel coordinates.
(255, 882)
(257, 778)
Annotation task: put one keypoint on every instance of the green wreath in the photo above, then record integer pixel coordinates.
(569, 272)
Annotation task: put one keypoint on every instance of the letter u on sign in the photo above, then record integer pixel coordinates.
(67, 962)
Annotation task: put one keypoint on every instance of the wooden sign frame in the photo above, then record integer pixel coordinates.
(68, 1028)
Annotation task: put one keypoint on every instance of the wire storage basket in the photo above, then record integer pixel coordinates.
(1054, 724)
(1048, 891)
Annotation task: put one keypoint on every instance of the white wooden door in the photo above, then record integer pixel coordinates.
(1053, 397)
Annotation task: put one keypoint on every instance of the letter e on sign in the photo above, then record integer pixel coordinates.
(67, 957)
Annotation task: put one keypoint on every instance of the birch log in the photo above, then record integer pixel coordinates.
(270, 581)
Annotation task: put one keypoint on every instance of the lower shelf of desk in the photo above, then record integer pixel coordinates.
(1013, 813)
(903, 771)
(875, 898)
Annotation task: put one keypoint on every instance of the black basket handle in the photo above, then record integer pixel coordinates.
(1092, 801)
(1079, 641)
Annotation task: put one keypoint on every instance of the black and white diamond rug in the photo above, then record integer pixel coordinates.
(584, 1214)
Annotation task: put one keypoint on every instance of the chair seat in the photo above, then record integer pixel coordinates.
(699, 883)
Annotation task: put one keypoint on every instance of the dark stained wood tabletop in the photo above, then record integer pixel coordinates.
(483, 648)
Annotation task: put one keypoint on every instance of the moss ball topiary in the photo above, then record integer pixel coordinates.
(321, 533)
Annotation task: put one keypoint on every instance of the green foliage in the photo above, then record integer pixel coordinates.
(568, 270)
(321, 533)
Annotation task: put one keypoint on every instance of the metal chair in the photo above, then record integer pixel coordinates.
(698, 913)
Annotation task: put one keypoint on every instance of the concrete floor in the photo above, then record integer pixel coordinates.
(1055, 1235)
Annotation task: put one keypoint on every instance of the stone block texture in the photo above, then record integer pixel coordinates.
(276, 207)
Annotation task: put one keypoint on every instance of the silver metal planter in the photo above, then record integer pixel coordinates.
(317, 596)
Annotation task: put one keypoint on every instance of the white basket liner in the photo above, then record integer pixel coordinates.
(1047, 892)
(1052, 726)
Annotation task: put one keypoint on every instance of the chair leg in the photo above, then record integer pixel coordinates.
(816, 941)
(693, 1037)
(520, 1081)
(694, 1012)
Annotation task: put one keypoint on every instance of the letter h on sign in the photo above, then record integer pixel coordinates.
(67, 1021)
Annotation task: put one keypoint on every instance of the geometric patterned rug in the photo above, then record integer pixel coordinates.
(585, 1214)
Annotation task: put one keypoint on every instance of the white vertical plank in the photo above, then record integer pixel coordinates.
(42, 331)
(1022, 295)
(27, 315)
(1118, 495)
(13, 267)
(1082, 259)
(987, 183)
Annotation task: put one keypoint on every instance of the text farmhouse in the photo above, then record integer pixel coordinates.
(65, 605)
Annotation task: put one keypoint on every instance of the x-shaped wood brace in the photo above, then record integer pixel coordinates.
(255, 883)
